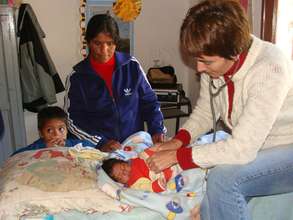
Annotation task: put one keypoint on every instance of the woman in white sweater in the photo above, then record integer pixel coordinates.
(248, 84)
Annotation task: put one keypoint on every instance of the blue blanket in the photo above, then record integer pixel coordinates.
(183, 193)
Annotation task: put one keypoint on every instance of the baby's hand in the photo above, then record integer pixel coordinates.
(111, 146)
(158, 138)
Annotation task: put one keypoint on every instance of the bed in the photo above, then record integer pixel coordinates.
(59, 183)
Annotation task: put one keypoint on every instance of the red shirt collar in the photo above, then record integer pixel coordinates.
(96, 64)
(237, 65)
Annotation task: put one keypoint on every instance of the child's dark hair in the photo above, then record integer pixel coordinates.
(51, 112)
(108, 166)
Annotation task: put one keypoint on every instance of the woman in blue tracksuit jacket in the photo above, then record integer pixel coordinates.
(108, 97)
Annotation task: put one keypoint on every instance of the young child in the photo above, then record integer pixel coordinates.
(136, 174)
(52, 125)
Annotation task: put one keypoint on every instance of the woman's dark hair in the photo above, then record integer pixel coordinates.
(215, 28)
(49, 113)
(102, 23)
(108, 166)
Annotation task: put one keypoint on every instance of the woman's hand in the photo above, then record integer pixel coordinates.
(158, 138)
(162, 160)
(156, 147)
(172, 144)
(111, 146)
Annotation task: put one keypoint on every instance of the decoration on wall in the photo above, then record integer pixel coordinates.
(127, 10)
(82, 26)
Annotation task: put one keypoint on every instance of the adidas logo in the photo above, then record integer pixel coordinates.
(127, 92)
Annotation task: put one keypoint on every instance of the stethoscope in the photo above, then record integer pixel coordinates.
(214, 94)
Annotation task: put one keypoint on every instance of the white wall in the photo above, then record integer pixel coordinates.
(60, 21)
(157, 34)
(156, 37)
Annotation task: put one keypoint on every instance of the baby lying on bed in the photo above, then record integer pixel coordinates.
(136, 174)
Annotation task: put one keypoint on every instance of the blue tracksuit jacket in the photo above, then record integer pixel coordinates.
(40, 144)
(96, 116)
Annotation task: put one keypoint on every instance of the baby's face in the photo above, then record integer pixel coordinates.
(121, 172)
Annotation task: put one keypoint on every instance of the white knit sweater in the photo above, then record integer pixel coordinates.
(262, 114)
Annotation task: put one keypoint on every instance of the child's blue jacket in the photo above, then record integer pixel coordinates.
(40, 144)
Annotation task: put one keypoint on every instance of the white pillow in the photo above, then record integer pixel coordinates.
(49, 181)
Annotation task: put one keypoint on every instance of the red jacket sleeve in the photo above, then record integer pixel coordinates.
(184, 158)
(184, 136)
